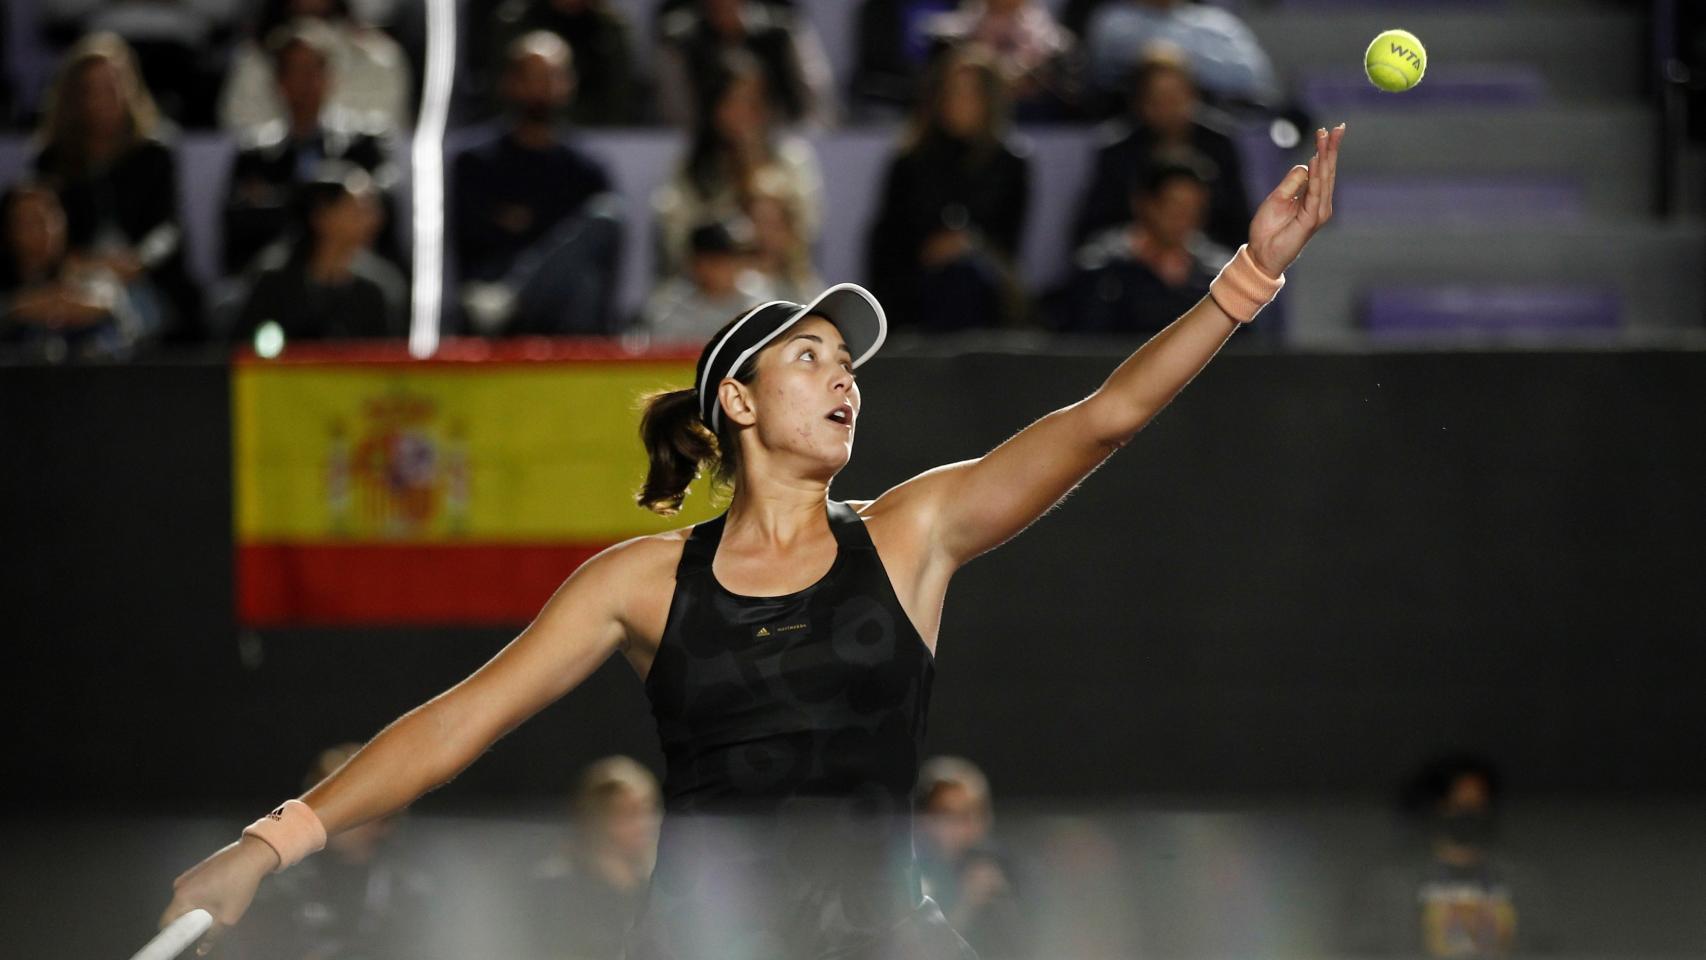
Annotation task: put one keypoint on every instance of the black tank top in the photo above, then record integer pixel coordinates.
(791, 729)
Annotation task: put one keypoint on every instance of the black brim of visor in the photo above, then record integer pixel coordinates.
(856, 314)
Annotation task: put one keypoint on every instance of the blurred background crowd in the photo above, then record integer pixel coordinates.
(195, 171)
(566, 888)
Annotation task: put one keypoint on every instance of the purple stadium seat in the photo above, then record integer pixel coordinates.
(1446, 85)
(1436, 200)
(1417, 312)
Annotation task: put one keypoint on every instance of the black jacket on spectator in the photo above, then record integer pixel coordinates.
(132, 197)
(1111, 291)
(1127, 149)
(892, 49)
(259, 206)
(603, 62)
(769, 38)
(944, 183)
(498, 178)
(368, 304)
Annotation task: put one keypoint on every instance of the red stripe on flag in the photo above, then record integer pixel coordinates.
(298, 585)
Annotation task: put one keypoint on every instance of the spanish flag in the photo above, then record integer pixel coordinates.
(372, 488)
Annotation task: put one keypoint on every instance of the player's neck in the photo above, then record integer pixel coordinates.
(777, 511)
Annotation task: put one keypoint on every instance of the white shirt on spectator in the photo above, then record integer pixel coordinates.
(370, 82)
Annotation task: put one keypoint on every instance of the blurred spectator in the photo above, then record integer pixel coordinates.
(894, 45)
(734, 143)
(51, 306)
(1166, 116)
(373, 82)
(598, 37)
(1229, 63)
(583, 899)
(964, 871)
(1037, 58)
(278, 157)
(1142, 276)
(692, 54)
(942, 250)
(326, 282)
(355, 900)
(179, 45)
(6, 114)
(537, 229)
(117, 182)
(780, 251)
(1458, 897)
(720, 284)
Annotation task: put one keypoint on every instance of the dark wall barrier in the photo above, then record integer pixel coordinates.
(1307, 575)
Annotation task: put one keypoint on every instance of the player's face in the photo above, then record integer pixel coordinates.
(805, 398)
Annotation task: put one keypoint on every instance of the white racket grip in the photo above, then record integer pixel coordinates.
(177, 936)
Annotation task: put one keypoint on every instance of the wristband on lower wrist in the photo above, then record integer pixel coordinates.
(292, 830)
(1242, 289)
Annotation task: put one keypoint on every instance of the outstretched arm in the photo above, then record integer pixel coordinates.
(974, 506)
(578, 629)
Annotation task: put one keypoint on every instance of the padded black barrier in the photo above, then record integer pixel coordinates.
(1306, 576)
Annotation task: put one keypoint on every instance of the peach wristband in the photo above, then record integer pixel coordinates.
(1242, 289)
(292, 830)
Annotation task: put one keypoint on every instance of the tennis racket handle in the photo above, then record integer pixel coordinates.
(177, 936)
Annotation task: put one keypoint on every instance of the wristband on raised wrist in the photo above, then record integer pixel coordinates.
(293, 831)
(1242, 289)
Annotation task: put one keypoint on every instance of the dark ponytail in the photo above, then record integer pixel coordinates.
(677, 443)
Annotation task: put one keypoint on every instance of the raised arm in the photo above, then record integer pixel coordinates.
(970, 507)
(578, 629)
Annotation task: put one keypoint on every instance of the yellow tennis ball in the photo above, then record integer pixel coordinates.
(1396, 61)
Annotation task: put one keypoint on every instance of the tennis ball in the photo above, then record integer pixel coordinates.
(1396, 61)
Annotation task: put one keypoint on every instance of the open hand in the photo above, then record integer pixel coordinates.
(1299, 206)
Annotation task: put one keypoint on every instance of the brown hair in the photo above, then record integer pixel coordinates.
(62, 125)
(927, 113)
(679, 444)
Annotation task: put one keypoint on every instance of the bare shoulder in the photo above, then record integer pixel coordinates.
(639, 560)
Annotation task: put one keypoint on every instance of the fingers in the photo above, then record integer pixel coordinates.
(1324, 171)
(1293, 184)
(210, 939)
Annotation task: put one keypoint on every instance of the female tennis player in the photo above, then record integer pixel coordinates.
(788, 645)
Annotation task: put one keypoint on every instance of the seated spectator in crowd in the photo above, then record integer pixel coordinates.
(942, 250)
(734, 143)
(1142, 276)
(893, 46)
(53, 307)
(696, 39)
(537, 230)
(277, 157)
(375, 84)
(597, 33)
(117, 181)
(1037, 58)
(963, 869)
(1166, 116)
(179, 45)
(720, 284)
(1229, 63)
(1457, 897)
(326, 283)
(780, 251)
(358, 899)
(582, 900)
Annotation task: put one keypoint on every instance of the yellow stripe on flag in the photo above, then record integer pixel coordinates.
(400, 453)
